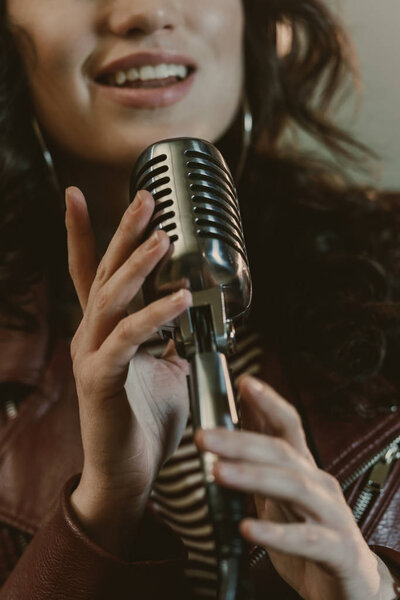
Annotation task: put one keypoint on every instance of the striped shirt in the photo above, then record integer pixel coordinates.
(179, 492)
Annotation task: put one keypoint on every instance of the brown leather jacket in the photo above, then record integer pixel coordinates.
(41, 455)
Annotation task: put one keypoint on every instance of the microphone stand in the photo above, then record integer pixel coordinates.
(213, 404)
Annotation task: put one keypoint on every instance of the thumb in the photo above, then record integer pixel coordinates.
(171, 355)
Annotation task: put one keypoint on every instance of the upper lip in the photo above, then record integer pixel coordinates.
(144, 58)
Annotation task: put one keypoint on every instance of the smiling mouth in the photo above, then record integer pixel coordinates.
(147, 77)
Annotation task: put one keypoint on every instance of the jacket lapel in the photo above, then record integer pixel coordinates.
(340, 445)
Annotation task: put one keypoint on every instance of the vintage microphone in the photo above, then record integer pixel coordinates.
(196, 204)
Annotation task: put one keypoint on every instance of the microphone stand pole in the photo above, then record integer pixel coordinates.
(213, 405)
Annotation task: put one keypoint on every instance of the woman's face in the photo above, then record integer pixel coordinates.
(76, 75)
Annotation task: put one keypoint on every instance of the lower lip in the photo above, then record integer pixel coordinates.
(149, 97)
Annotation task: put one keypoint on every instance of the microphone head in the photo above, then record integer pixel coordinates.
(196, 204)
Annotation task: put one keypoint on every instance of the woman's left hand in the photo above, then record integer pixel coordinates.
(303, 520)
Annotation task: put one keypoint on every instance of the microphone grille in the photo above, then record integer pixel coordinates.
(152, 175)
(200, 172)
(214, 198)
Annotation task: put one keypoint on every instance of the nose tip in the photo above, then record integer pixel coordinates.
(128, 21)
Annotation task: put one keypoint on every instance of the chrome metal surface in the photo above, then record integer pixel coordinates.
(196, 204)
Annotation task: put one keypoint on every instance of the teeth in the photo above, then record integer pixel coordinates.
(120, 78)
(147, 72)
(132, 74)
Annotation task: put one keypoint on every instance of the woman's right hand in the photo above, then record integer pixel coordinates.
(125, 439)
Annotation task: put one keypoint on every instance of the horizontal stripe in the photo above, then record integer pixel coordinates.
(173, 470)
(202, 566)
(195, 517)
(199, 494)
(253, 338)
(205, 532)
(243, 362)
(207, 546)
(197, 557)
(191, 506)
(195, 573)
(188, 452)
(190, 480)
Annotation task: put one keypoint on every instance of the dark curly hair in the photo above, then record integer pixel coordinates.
(323, 254)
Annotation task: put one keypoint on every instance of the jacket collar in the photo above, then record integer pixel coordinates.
(341, 444)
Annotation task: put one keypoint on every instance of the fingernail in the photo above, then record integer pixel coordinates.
(154, 240)
(68, 196)
(178, 296)
(137, 203)
(74, 195)
(254, 384)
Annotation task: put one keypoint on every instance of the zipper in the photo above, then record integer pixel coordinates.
(376, 481)
(369, 463)
(380, 464)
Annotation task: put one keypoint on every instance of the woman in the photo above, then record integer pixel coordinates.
(68, 67)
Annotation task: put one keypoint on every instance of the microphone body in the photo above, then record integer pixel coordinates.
(196, 204)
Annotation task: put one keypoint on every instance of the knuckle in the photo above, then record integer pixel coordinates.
(125, 226)
(101, 273)
(101, 300)
(293, 417)
(303, 485)
(283, 449)
(85, 378)
(331, 483)
(137, 264)
(311, 536)
(124, 330)
(154, 312)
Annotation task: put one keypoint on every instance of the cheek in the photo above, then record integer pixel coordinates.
(223, 29)
(221, 25)
(52, 43)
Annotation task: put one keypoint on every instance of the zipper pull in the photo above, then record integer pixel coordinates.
(380, 472)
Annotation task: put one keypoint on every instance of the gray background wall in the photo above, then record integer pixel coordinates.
(375, 28)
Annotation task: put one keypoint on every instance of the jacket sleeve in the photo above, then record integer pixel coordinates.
(62, 563)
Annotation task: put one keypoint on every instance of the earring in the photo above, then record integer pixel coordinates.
(284, 38)
(247, 131)
(46, 154)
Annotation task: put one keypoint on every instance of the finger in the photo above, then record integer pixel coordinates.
(110, 304)
(281, 416)
(82, 258)
(127, 237)
(251, 447)
(132, 331)
(307, 540)
(302, 490)
(171, 355)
